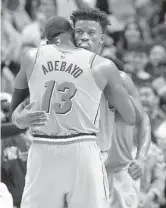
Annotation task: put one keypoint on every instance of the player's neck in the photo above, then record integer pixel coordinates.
(67, 42)
(68, 45)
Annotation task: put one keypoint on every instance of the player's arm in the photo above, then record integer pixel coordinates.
(21, 90)
(22, 114)
(143, 136)
(116, 94)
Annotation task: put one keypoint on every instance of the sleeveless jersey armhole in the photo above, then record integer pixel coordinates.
(92, 60)
(97, 114)
(36, 57)
(91, 65)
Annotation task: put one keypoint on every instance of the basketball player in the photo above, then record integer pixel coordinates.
(85, 35)
(120, 161)
(66, 83)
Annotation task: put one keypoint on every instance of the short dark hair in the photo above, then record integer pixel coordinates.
(57, 25)
(91, 14)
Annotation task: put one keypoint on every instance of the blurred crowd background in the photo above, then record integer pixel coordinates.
(135, 41)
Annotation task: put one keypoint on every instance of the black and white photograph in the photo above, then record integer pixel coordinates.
(83, 104)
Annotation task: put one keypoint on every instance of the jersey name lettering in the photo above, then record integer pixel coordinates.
(62, 66)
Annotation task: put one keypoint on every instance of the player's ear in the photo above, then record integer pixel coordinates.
(102, 39)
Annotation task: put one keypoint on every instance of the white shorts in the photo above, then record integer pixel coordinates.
(59, 174)
(123, 190)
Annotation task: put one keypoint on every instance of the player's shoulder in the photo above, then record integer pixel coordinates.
(28, 59)
(30, 55)
(86, 53)
(103, 60)
(129, 84)
(124, 76)
(126, 79)
(104, 63)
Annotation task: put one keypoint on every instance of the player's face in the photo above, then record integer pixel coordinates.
(88, 35)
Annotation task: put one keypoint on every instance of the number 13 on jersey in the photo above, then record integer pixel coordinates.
(67, 91)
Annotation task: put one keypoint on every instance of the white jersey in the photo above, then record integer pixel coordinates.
(6, 199)
(62, 84)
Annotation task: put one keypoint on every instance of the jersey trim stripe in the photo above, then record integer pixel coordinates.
(92, 60)
(97, 113)
(105, 184)
(37, 54)
(36, 57)
(65, 141)
(63, 137)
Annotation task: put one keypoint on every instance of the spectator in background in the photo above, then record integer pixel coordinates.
(136, 58)
(132, 48)
(17, 14)
(163, 101)
(11, 41)
(153, 179)
(103, 6)
(65, 7)
(162, 68)
(31, 6)
(159, 32)
(158, 13)
(48, 8)
(33, 33)
(15, 145)
(159, 84)
(109, 51)
(13, 166)
(132, 35)
(157, 54)
(10, 48)
(150, 102)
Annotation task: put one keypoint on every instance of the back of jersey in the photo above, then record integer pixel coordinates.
(62, 84)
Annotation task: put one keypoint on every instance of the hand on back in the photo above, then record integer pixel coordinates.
(24, 116)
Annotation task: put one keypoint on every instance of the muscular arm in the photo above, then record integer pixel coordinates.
(143, 136)
(21, 90)
(117, 95)
(17, 97)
